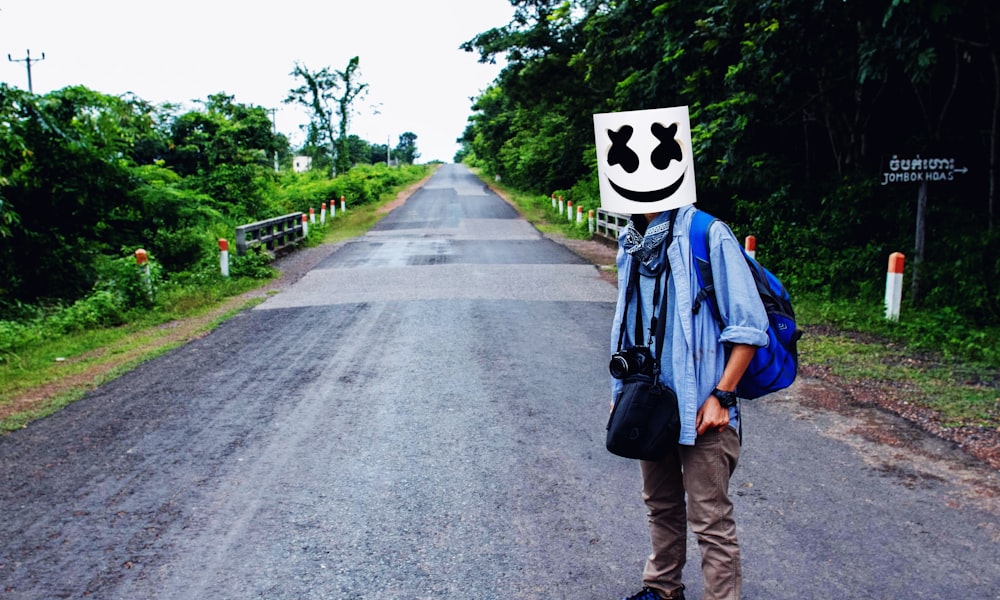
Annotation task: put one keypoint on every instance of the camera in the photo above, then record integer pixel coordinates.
(631, 361)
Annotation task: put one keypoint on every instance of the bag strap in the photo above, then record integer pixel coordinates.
(660, 323)
(700, 223)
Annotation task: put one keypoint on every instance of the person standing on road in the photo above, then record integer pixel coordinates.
(702, 365)
(702, 362)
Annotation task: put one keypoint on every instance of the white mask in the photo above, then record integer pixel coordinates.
(645, 162)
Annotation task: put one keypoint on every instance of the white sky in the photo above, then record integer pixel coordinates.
(182, 50)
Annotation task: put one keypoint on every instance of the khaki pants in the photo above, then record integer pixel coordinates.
(703, 471)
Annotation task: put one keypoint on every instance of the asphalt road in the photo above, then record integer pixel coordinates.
(422, 416)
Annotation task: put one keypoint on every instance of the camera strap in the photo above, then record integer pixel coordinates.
(657, 323)
(631, 285)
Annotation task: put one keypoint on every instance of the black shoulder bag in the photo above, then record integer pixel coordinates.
(645, 421)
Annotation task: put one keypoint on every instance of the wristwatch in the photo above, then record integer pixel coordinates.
(726, 399)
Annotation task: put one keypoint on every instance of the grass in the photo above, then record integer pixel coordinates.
(47, 376)
(963, 394)
(852, 341)
(538, 210)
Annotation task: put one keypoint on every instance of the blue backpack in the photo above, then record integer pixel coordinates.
(774, 366)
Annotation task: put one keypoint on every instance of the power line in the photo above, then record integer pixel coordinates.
(27, 60)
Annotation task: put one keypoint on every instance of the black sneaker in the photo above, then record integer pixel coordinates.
(650, 594)
(645, 594)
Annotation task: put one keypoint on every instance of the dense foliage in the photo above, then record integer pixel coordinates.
(797, 108)
(87, 178)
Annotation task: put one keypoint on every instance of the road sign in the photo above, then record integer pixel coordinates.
(916, 170)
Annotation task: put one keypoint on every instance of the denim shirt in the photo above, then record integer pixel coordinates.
(694, 354)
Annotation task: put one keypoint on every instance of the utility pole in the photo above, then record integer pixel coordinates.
(27, 60)
(274, 131)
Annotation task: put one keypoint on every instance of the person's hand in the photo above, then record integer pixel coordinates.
(711, 415)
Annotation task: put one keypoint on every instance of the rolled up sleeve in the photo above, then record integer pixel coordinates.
(742, 312)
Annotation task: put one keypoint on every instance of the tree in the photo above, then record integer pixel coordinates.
(541, 104)
(378, 153)
(359, 151)
(318, 93)
(66, 163)
(406, 149)
(352, 90)
(85, 175)
(226, 150)
(943, 47)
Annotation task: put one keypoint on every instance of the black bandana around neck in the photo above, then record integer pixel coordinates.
(648, 247)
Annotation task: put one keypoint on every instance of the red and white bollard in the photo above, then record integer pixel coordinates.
(333, 209)
(750, 245)
(142, 259)
(224, 257)
(305, 225)
(590, 221)
(553, 201)
(560, 205)
(322, 214)
(894, 286)
(312, 215)
(569, 211)
(579, 215)
(343, 207)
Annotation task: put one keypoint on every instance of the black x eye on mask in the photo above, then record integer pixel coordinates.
(668, 149)
(620, 153)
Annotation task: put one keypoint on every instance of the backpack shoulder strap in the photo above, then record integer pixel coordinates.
(700, 223)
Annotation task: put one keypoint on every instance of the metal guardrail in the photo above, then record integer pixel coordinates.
(610, 224)
(273, 234)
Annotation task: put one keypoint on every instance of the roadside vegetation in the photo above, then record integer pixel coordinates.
(88, 179)
(52, 357)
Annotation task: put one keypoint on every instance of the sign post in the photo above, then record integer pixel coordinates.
(922, 171)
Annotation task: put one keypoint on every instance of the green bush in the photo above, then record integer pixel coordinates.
(181, 249)
(246, 191)
(120, 289)
(298, 190)
(15, 335)
(361, 185)
(355, 187)
(99, 309)
(175, 222)
(965, 275)
(255, 264)
(123, 278)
